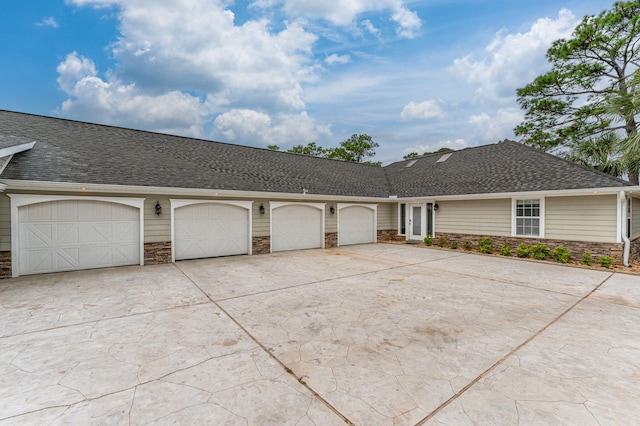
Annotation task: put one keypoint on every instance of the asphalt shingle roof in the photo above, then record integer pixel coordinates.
(77, 152)
(503, 167)
(71, 151)
(7, 141)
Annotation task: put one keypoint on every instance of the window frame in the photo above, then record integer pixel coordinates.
(402, 219)
(515, 217)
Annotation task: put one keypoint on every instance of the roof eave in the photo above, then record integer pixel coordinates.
(631, 189)
(30, 185)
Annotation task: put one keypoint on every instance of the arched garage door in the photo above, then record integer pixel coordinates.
(296, 226)
(210, 229)
(65, 235)
(356, 224)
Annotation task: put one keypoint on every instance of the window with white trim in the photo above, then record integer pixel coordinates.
(402, 219)
(528, 218)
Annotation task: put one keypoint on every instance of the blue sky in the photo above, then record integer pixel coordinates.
(415, 75)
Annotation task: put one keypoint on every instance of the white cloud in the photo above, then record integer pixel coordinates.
(195, 44)
(344, 12)
(422, 111)
(513, 60)
(494, 129)
(337, 59)
(408, 23)
(249, 126)
(180, 63)
(49, 21)
(368, 25)
(73, 69)
(112, 102)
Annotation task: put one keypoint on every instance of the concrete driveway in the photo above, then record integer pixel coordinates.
(373, 334)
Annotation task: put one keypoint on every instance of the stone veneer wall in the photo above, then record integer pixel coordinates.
(157, 253)
(576, 248)
(390, 235)
(5, 264)
(261, 245)
(330, 240)
(634, 250)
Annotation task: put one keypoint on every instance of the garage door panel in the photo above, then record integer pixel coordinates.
(77, 234)
(211, 230)
(296, 227)
(356, 225)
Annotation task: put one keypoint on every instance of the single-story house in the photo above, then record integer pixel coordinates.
(76, 195)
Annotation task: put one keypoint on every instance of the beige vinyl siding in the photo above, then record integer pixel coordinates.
(157, 228)
(475, 217)
(330, 220)
(584, 218)
(635, 218)
(260, 222)
(387, 216)
(5, 223)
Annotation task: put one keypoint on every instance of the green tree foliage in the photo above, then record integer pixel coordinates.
(602, 153)
(416, 155)
(309, 149)
(411, 155)
(273, 147)
(358, 148)
(591, 73)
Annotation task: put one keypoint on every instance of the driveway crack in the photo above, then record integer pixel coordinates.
(511, 353)
(266, 350)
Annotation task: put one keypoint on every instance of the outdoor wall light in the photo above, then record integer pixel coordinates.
(158, 208)
(332, 210)
(435, 206)
(261, 208)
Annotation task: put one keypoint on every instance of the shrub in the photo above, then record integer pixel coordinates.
(467, 245)
(586, 258)
(523, 250)
(539, 251)
(605, 261)
(442, 241)
(428, 240)
(485, 245)
(454, 244)
(506, 249)
(561, 254)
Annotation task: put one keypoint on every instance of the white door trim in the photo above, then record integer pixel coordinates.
(20, 200)
(373, 207)
(177, 203)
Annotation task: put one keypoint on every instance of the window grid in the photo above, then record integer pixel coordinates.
(528, 218)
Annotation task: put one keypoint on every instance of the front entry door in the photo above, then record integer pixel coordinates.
(416, 222)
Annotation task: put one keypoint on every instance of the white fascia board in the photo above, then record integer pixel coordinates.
(29, 185)
(631, 190)
(5, 152)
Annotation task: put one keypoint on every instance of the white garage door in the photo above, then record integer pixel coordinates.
(76, 234)
(356, 225)
(210, 230)
(296, 227)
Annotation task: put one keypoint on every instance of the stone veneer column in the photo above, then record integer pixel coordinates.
(261, 245)
(157, 253)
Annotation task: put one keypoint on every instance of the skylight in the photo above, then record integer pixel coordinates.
(411, 163)
(444, 158)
